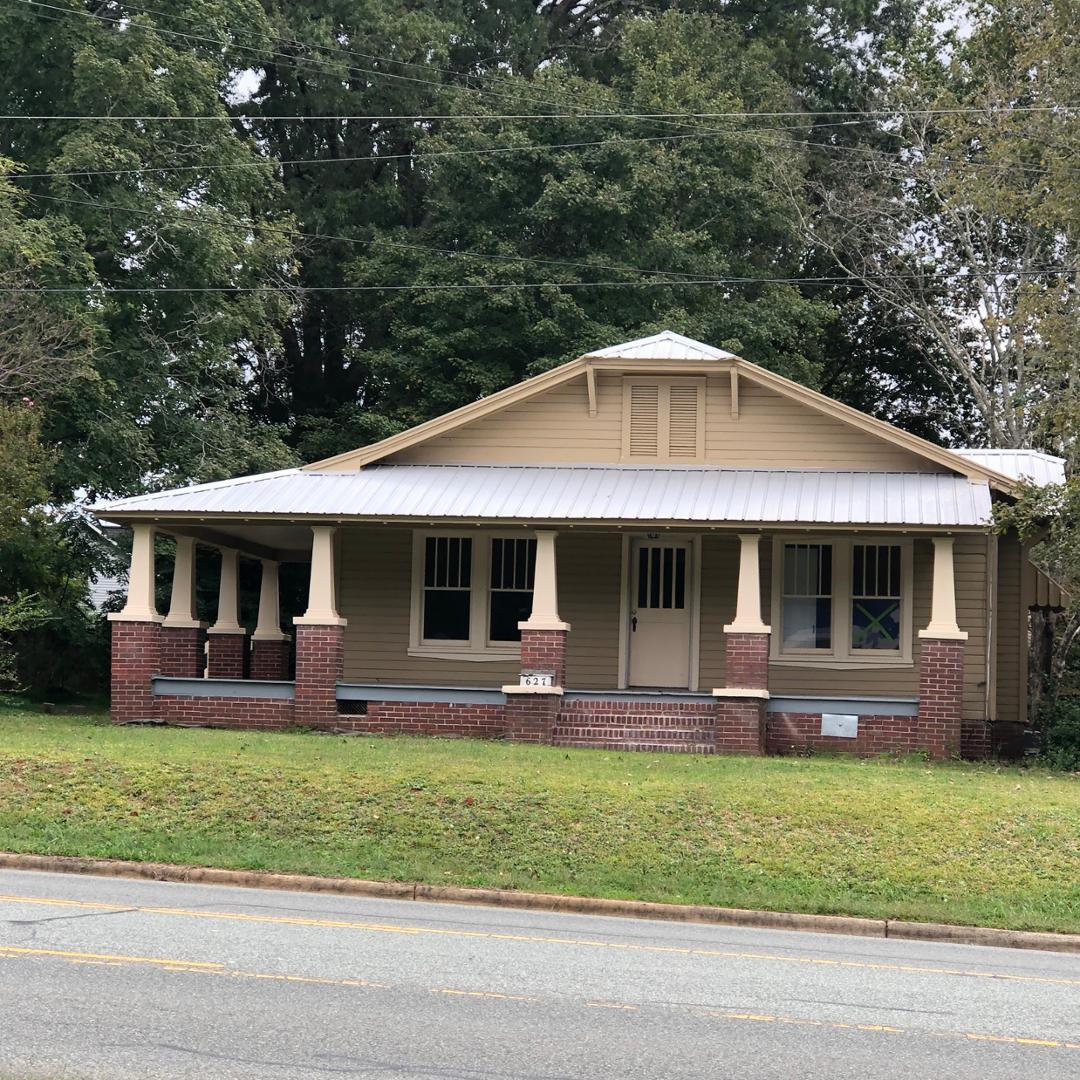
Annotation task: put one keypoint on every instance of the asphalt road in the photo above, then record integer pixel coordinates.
(113, 979)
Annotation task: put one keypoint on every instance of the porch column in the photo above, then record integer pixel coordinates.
(941, 661)
(740, 704)
(136, 636)
(183, 637)
(320, 636)
(227, 654)
(533, 703)
(269, 646)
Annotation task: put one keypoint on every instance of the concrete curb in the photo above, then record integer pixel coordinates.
(578, 905)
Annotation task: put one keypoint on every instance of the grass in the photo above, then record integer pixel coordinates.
(959, 843)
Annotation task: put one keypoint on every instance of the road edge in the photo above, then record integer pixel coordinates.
(530, 901)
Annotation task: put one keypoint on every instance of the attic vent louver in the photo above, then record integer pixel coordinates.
(663, 420)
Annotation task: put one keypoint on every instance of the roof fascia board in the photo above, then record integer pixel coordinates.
(440, 425)
(174, 520)
(846, 414)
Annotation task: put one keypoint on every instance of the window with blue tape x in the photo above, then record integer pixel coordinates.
(876, 598)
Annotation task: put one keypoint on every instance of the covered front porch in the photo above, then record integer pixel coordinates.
(704, 639)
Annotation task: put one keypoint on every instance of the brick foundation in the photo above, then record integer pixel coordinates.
(976, 738)
(320, 661)
(941, 696)
(136, 659)
(183, 651)
(270, 659)
(531, 717)
(795, 733)
(746, 661)
(740, 725)
(475, 721)
(226, 656)
(262, 714)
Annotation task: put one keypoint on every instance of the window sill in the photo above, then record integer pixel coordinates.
(841, 664)
(434, 652)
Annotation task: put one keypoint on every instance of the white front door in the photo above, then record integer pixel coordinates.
(660, 610)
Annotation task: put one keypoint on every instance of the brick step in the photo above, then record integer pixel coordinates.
(693, 743)
(687, 738)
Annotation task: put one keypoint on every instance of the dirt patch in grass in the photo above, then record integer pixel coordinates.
(959, 843)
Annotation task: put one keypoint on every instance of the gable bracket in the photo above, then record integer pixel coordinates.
(734, 392)
(590, 382)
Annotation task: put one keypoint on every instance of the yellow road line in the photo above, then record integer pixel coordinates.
(415, 931)
(206, 967)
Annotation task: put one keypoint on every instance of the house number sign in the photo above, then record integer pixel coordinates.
(537, 678)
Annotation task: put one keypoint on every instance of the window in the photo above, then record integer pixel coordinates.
(876, 600)
(447, 588)
(663, 420)
(841, 601)
(806, 615)
(470, 591)
(512, 565)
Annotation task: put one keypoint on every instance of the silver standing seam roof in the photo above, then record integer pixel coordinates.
(586, 493)
(1031, 465)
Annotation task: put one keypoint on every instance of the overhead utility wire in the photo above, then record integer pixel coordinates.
(376, 241)
(735, 114)
(488, 285)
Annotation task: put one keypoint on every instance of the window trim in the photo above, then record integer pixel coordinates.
(478, 647)
(663, 422)
(842, 655)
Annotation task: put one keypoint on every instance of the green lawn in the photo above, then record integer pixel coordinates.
(958, 843)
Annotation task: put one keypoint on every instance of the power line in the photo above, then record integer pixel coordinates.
(418, 287)
(376, 241)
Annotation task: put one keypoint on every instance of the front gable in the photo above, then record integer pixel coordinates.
(662, 400)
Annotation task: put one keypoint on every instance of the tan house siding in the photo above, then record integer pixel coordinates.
(590, 577)
(375, 596)
(1009, 699)
(771, 431)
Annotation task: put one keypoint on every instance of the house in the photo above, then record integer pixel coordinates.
(657, 545)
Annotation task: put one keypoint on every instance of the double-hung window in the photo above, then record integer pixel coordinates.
(842, 600)
(470, 591)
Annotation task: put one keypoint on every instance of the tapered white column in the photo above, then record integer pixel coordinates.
(943, 625)
(748, 602)
(322, 589)
(140, 605)
(268, 627)
(228, 609)
(545, 603)
(182, 603)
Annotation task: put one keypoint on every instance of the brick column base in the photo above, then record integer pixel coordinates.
(183, 651)
(270, 659)
(740, 726)
(136, 659)
(320, 664)
(941, 697)
(746, 661)
(530, 717)
(227, 656)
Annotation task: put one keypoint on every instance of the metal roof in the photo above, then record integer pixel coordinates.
(667, 345)
(692, 494)
(1032, 465)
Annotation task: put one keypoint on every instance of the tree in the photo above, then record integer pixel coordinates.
(965, 227)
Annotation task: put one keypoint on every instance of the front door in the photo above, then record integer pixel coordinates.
(660, 613)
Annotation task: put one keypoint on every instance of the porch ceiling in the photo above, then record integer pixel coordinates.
(601, 494)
